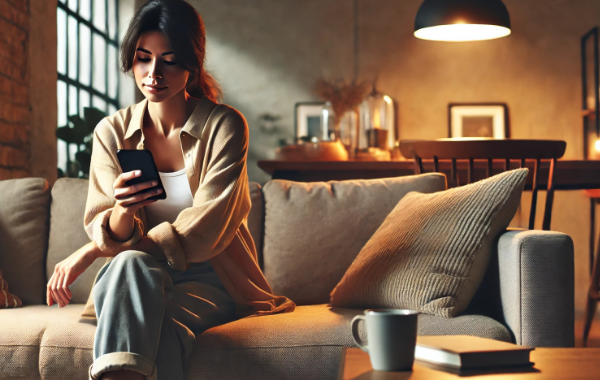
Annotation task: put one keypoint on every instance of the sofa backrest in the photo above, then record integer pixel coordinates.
(24, 219)
(67, 233)
(314, 231)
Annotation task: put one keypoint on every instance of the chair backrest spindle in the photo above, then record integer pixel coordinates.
(473, 149)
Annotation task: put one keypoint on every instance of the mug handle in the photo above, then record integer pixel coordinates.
(355, 336)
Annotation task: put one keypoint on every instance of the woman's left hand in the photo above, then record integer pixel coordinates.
(67, 271)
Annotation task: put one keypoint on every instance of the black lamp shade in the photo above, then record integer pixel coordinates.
(492, 14)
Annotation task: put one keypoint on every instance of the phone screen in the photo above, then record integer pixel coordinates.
(141, 159)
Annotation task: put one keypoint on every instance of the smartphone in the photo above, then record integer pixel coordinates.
(141, 159)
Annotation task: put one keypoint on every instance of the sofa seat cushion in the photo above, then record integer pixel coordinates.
(40, 342)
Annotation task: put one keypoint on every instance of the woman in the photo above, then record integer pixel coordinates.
(176, 266)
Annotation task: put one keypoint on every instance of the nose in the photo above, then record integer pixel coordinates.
(154, 72)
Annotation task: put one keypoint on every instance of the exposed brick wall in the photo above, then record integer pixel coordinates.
(14, 92)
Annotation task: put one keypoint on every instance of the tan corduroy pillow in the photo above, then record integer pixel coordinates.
(432, 250)
(7, 300)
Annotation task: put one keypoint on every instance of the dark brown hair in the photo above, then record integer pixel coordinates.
(183, 27)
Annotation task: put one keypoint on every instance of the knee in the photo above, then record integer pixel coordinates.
(133, 260)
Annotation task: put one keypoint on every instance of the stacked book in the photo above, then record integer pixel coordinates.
(463, 352)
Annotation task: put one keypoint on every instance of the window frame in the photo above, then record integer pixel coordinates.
(79, 86)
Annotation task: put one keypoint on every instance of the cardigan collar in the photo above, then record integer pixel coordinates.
(193, 126)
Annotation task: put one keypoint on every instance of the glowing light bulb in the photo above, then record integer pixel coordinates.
(462, 32)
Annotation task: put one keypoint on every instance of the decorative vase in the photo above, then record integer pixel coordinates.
(349, 131)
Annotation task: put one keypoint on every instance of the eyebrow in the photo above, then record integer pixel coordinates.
(147, 52)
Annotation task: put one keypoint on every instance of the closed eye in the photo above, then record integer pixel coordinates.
(170, 63)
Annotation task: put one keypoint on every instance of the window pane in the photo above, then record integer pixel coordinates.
(72, 100)
(99, 64)
(61, 147)
(99, 103)
(84, 100)
(112, 109)
(72, 30)
(61, 23)
(100, 15)
(84, 54)
(73, 5)
(72, 150)
(61, 93)
(85, 9)
(112, 19)
(113, 73)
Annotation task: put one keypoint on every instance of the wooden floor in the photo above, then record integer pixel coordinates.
(593, 338)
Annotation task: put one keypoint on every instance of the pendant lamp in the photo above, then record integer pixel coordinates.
(462, 20)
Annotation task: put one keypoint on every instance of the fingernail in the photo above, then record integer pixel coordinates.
(138, 172)
(158, 191)
(154, 183)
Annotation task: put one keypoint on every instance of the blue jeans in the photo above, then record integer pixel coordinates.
(149, 314)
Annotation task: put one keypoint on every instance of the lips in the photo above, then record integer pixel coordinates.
(154, 89)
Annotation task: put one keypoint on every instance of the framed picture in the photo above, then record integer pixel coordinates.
(478, 120)
(308, 120)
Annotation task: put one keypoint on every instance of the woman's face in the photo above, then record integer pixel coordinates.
(157, 73)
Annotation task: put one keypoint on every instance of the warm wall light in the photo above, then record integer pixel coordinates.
(462, 20)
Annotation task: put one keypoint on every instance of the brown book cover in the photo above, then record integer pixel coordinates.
(470, 352)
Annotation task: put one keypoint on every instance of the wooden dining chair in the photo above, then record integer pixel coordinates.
(478, 152)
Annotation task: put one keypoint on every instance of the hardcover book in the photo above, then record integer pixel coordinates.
(470, 352)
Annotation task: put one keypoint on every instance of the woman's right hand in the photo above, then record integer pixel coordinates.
(130, 198)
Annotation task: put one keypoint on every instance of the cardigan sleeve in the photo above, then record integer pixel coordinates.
(222, 200)
(104, 170)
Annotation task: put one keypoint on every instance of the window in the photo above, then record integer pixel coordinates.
(88, 74)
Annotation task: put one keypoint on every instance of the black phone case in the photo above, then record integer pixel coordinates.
(141, 159)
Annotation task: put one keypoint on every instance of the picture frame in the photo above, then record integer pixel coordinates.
(308, 121)
(487, 120)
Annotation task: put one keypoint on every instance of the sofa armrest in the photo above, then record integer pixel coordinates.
(536, 270)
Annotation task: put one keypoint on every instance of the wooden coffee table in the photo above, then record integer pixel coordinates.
(550, 364)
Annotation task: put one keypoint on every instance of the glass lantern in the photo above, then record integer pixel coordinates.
(377, 119)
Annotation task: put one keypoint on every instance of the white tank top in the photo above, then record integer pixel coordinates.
(179, 197)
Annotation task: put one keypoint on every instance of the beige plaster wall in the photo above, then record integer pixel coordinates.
(267, 55)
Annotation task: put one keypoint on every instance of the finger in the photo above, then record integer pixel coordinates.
(59, 298)
(139, 197)
(124, 177)
(61, 289)
(65, 285)
(49, 299)
(55, 299)
(121, 193)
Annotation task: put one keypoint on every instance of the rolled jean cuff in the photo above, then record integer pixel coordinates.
(116, 361)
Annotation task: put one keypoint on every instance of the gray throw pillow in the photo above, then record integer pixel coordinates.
(24, 219)
(313, 231)
(432, 250)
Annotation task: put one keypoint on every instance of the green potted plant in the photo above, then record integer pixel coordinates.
(79, 132)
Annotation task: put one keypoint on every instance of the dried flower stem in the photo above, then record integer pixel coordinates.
(342, 94)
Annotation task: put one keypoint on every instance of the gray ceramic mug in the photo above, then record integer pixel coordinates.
(392, 336)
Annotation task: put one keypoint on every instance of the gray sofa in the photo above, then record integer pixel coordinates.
(307, 235)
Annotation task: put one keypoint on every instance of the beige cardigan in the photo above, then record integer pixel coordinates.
(214, 143)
